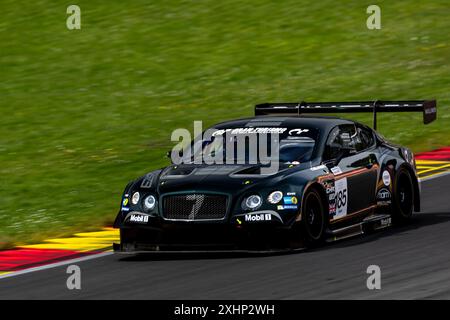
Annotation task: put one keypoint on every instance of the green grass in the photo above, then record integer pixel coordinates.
(85, 111)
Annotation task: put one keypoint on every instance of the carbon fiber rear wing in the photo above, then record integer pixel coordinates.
(427, 107)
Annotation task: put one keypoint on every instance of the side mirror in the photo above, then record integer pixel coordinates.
(343, 153)
(348, 151)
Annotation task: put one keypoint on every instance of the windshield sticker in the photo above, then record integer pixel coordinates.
(297, 131)
(236, 131)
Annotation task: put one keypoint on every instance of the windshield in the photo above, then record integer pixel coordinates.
(301, 150)
(290, 146)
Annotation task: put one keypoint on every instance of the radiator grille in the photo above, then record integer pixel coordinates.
(195, 207)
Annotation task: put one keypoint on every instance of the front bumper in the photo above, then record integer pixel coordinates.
(260, 230)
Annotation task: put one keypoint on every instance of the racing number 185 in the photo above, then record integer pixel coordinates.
(342, 198)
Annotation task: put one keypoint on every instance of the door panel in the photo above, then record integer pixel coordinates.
(355, 174)
(361, 173)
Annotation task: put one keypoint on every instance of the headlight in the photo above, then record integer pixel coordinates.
(253, 202)
(275, 197)
(135, 198)
(149, 203)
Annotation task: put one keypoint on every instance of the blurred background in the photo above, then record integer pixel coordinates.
(85, 111)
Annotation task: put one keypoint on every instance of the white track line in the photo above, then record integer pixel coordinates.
(104, 254)
(56, 264)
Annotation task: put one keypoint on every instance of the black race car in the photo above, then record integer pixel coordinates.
(335, 178)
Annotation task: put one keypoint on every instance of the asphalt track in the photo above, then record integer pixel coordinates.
(414, 262)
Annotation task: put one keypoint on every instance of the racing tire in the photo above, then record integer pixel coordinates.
(313, 223)
(403, 197)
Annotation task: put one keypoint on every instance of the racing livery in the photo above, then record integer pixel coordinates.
(336, 178)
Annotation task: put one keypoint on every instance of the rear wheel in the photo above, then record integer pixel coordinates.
(403, 200)
(313, 218)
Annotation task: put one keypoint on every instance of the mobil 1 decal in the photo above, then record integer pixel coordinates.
(341, 198)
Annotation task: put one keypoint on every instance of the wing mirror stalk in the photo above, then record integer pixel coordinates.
(345, 152)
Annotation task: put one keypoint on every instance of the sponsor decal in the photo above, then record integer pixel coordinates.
(138, 218)
(291, 193)
(386, 222)
(341, 198)
(258, 217)
(384, 195)
(125, 202)
(125, 209)
(332, 209)
(290, 200)
(329, 186)
(237, 131)
(331, 192)
(297, 131)
(330, 189)
(430, 110)
(386, 178)
(336, 170)
(287, 207)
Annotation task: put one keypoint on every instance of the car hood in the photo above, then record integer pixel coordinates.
(229, 179)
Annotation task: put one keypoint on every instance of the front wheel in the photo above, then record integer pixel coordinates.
(313, 218)
(403, 200)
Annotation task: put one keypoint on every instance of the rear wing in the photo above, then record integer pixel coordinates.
(427, 107)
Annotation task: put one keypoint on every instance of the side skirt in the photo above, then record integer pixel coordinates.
(370, 223)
